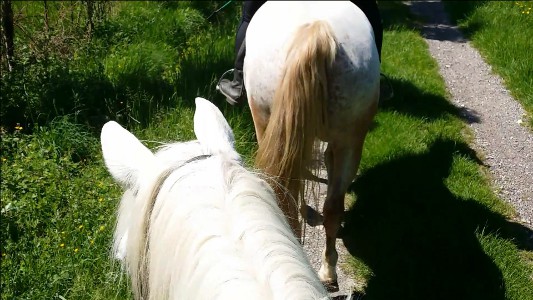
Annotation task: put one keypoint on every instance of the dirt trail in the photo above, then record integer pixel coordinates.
(488, 109)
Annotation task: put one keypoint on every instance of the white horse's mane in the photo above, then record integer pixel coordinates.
(195, 224)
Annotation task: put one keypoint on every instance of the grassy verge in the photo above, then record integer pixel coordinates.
(58, 201)
(425, 223)
(501, 31)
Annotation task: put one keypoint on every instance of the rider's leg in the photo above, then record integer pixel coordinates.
(233, 90)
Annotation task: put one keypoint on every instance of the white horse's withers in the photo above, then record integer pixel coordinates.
(195, 224)
(311, 71)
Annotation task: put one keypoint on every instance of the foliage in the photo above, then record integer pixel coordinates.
(57, 214)
(58, 201)
(127, 68)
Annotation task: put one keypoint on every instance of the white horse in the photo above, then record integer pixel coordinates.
(195, 224)
(311, 71)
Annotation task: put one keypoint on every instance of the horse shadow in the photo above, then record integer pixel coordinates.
(419, 239)
(411, 100)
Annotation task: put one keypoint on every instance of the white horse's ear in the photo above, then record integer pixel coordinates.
(212, 129)
(124, 155)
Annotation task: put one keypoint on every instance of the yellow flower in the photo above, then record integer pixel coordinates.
(18, 127)
(80, 227)
(92, 242)
(102, 228)
(3, 254)
(76, 250)
(4, 159)
(100, 199)
(62, 232)
(62, 245)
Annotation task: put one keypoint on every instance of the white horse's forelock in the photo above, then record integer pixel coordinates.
(215, 231)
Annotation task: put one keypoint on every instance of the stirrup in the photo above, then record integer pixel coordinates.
(222, 77)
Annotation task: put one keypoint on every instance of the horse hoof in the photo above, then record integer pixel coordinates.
(312, 217)
(341, 233)
(331, 286)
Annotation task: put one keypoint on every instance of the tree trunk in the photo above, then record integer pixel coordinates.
(8, 32)
(46, 26)
(90, 16)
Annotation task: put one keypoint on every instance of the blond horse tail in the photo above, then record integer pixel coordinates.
(298, 115)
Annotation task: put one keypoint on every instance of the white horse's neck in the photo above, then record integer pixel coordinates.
(217, 232)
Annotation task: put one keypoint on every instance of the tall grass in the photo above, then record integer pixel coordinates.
(502, 31)
(136, 61)
(143, 67)
(57, 215)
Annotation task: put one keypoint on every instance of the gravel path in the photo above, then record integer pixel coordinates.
(489, 110)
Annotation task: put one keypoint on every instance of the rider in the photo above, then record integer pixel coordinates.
(233, 90)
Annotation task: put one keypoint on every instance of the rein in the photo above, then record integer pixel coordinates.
(216, 11)
(164, 176)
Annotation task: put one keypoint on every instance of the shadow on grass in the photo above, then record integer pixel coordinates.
(409, 99)
(418, 238)
(461, 10)
(429, 17)
(395, 14)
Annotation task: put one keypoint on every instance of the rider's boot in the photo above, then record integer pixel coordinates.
(234, 89)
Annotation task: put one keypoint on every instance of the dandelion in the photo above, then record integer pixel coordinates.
(80, 227)
(62, 245)
(100, 199)
(18, 127)
(62, 232)
(102, 228)
(76, 250)
(92, 242)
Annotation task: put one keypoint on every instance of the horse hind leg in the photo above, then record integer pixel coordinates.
(260, 119)
(339, 174)
(342, 161)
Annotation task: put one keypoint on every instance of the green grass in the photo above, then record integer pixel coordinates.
(425, 223)
(58, 201)
(501, 31)
(57, 216)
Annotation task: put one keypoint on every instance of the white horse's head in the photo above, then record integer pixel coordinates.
(127, 159)
(131, 163)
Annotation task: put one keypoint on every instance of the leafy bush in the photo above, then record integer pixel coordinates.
(126, 70)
